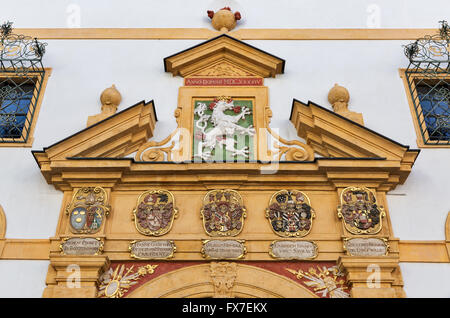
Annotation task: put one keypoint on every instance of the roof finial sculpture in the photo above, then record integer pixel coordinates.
(224, 20)
(110, 99)
(339, 98)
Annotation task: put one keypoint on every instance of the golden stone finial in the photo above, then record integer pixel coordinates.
(110, 99)
(338, 96)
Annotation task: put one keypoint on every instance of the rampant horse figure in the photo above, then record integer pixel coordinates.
(223, 124)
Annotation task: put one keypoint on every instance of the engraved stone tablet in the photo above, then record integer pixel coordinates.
(293, 249)
(81, 246)
(152, 249)
(366, 247)
(223, 249)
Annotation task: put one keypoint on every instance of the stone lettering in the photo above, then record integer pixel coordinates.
(157, 249)
(293, 249)
(81, 246)
(366, 247)
(223, 249)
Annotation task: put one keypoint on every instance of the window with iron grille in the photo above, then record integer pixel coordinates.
(434, 109)
(427, 79)
(16, 114)
(21, 80)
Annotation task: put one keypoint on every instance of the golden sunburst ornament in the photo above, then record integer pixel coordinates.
(114, 284)
(323, 281)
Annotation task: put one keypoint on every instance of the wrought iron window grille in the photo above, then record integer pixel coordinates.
(21, 78)
(428, 78)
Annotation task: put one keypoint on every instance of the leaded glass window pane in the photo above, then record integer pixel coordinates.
(15, 100)
(434, 101)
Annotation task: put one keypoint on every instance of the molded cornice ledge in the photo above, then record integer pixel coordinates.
(204, 34)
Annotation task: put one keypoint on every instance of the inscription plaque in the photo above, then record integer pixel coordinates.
(223, 249)
(152, 249)
(81, 246)
(293, 250)
(366, 246)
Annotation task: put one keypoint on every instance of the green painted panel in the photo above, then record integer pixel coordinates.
(212, 137)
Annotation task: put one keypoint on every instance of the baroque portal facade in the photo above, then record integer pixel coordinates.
(225, 204)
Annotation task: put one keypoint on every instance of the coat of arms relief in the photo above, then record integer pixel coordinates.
(155, 212)
(290, 213)
(87, 210)
(360, 212)
(223, 129)
(223, 213)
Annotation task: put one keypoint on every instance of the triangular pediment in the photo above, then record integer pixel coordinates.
(224, 54)
(114, 137)
(334, 136)
(222, 68)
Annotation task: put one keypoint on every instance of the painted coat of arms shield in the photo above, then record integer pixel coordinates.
(87, 210)
(223, 213)
(155, 212)
(360, 212)
(290, 213)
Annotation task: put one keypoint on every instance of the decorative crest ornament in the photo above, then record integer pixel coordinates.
(87, 210)
(155, 212)
(20, 47)
(327, 282)
(115, 283)
(290, 213)
(223, 213)
(360, 212)
(431, 48)
(224, 19)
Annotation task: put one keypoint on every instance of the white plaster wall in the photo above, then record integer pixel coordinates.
(22, 279)
(255, 13)
(426, 280)
(83, 68)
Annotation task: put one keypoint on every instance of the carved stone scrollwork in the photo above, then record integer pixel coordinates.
(223, 276)
(291, 150)
(162, 150)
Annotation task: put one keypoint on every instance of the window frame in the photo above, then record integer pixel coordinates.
(423, 140)
(26, 141)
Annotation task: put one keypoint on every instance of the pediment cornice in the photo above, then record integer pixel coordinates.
(224, 49)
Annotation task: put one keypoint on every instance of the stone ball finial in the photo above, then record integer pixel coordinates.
(338, 94)
(339, 97)
(110, 99)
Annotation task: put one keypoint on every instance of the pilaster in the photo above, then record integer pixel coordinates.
(74, 276)
(372, 277)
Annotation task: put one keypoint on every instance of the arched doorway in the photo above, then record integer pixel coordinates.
(196, 282)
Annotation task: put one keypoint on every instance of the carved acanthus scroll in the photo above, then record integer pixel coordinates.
(165, 149)
(292, 150)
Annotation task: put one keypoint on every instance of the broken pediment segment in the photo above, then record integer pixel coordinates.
(339, 98)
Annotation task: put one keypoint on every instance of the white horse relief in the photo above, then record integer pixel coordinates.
(223, 125)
